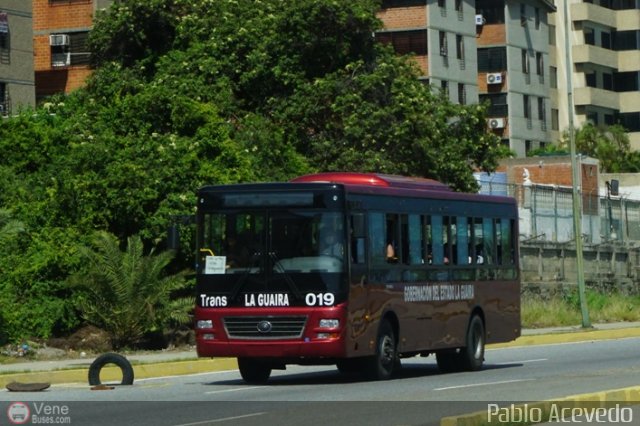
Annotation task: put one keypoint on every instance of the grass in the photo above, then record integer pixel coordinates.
(565, 310)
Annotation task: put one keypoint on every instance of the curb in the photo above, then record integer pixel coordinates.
(141, 371)
(588, 401)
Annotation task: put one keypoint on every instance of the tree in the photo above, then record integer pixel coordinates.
(127, 293)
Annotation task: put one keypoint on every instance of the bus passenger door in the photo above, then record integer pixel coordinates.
(358, 286)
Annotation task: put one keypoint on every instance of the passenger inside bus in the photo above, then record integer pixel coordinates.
(331, 245)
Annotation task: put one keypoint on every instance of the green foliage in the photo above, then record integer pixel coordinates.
(127, 293)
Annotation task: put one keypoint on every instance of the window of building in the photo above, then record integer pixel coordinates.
(605, 40)
(492, 11)
(537, 18)
(525, 61)
(540, 66)
(526, 106)
(458, 6)
(444, 86)
(552, 35)
(386, 4)
(523, 14)
(590, 79)
(542, 112)
(492, 59)
(592, 117)
(405, 42)
(4, 38)
(69, 49)
(459, 47)
(442, 5)
(555, 119)
(589, 36)
(607, 81)
(609, 119)
(4, 98)
(443, 44)
(553, 77)
(462, 94)
(498, 106)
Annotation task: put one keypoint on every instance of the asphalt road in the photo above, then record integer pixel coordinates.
(320, 395)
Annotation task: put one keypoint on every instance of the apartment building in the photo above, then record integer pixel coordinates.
(605, 57)
(60, 33)
(493, 51)
(17, 87)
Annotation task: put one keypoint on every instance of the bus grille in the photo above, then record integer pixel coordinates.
(265, 328)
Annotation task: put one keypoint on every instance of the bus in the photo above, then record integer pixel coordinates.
(357, 270)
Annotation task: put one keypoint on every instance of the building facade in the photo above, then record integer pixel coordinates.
(605, 57)
(60, 33)
(493, 51)
(17, 87)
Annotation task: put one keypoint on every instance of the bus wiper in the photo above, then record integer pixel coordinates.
(287, 278)
(244, 276)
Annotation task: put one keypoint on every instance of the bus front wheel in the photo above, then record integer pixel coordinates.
(382, 365)
(254, 371)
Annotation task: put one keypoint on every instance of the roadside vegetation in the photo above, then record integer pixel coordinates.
(564, 310)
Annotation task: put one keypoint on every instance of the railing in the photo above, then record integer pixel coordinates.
(546, 212)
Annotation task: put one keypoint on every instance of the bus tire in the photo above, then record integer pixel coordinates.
(254, 371)
(472, 355)
(381, 366)
(110, 358)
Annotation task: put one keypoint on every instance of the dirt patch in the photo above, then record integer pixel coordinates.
(88, 338)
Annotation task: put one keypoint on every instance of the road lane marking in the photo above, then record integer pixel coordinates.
(483, 384)
(235, 389)
(226, 419)
(521, 362)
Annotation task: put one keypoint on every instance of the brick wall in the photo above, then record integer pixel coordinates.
(404, 17)
(50, 18)
(492, 34)
(62, 15)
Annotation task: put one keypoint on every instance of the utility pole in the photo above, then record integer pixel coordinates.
(576, 173)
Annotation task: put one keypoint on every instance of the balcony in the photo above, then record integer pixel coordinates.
(629, 101)
(593, 13)
(628, 20)
(629, 60)
(598, 97)
(586, 53)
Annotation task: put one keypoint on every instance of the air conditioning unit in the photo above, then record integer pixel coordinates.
(496, 123)
(494, 78)
(479, 20)
(58, 40)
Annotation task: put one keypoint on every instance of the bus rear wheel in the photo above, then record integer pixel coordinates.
(472, 355)
(254, 371)
(383, 364)
(468, 358)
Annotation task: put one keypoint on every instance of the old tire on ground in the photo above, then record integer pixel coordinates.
(110, 358)
(253, 370)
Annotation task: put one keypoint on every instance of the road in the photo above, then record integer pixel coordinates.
(320, 395)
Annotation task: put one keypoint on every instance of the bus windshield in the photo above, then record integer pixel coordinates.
(272, 250)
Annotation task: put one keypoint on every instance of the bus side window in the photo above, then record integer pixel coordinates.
(357, 235)
(377, 239)
(437, 248)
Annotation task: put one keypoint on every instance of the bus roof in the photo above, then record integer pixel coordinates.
(373, 179)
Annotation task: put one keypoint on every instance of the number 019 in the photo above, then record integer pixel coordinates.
(320, 299)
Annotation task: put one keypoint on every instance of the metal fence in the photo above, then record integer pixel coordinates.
(546, 213)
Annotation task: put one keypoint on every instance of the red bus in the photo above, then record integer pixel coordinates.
(353, 269)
